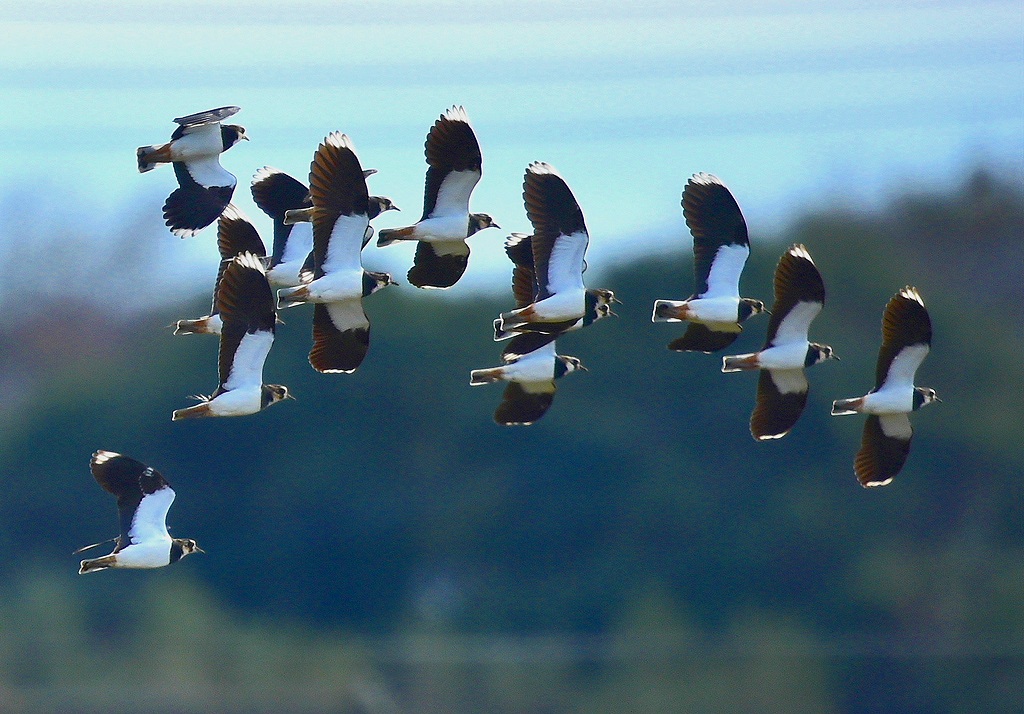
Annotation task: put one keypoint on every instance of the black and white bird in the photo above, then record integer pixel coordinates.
(246, 306)
(782, 385)
(454, 167)
(340, 215)
(525, 289)
(720, 248)
(559, 245)
(143, 499)
(276, 193)
(906, 340)
(300, 215)
(235, 235)
(204, 186)
(531, 368)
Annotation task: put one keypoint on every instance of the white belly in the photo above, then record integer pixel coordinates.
(150, 554)
(791, 356)
(568, 305)
(889, 401)
(443, 228)
(337, 287)
(237, 402)
(714, 310)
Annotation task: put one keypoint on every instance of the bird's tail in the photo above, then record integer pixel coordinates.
(668, 311)
(841, 407)
(501, 333)
(739, 363)
(89, 566)
(209, 325)
(193, 412)
(298, 215)
(152, 156)
(387, 236)
(485, 376)
(290, 297)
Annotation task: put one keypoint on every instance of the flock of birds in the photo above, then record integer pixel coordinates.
(316, 257)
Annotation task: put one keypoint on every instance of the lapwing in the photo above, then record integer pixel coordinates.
(906, 340)
(143, 499)
(246, 306)
(204, 186)
(525, 289)
(235, 235)
(340, 215)
(561, 301)
(531, 368)
(302, 214)
(454, 168)
(276, 193)
(782, 385)
(720, 248)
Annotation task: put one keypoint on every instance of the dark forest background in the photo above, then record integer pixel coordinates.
(380, 545)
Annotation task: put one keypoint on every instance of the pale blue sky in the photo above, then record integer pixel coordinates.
(792, 103)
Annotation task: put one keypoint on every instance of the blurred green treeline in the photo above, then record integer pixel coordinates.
(380, 545)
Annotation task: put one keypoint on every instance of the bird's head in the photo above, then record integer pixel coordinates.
(187, 546)
(924, 395)
(750, 306)
(479, 221)
(566, 364)
(231, 134)
(273, 393)
(384, 203)
(599, 304)
(819, 353)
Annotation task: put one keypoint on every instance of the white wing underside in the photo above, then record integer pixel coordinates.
(453, 194)
(345, 245)
(150, 521)
(795, 324)
(903, 368)
(207, 171)
(565, 264)
(537, 366)
(348, 314)
(247, 366)
(789, 381)
(299, 243)
(201, 140)
(896, 426)
(724, 276)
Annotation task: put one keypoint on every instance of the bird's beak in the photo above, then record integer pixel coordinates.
(616, 300)
(289, 395)
(200, 550)
(584, 368)
(612, 313)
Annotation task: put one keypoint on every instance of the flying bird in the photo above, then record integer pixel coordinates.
(302, 214)
(340, 216)
(906, 340)
(782, 385)
(235, 235)
(143, 499)
(720, 248)
(276, 193)
(204, 186)
(560, 301)
(531, 368)
(454, 168)
(246, 306)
